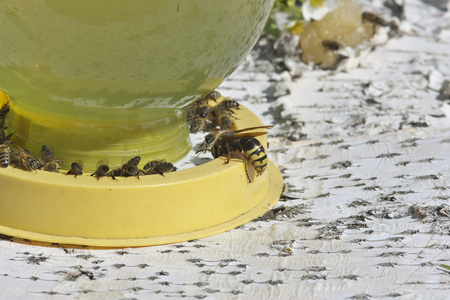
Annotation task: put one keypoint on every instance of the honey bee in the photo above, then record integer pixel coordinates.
(3, 112)
(190, 116)
(48, 160)
(5, 154)
(228, 103)
(130, 168)
(199, 116)
(203, 110)
(102, 170)
(199, 112)
(76, 168)
(244, 144)
(200, 124)
(158, 167)
(222, 114)
(214, 95)
(22, 159)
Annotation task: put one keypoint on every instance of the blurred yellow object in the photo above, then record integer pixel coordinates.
(296, 28)
(3, 99)
(183, 205)
(344, 25)
(110, 78)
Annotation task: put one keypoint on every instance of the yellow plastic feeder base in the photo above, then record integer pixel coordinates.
(184, 205)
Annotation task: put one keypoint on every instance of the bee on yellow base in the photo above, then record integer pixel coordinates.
(243, 143)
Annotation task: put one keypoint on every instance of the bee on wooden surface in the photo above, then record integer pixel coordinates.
(102, 170)
(22, 159)
(374, 18)
(244, 144)
(48, 160)
(158, 167)
(76, 168)
(5, 154)
(130, 168)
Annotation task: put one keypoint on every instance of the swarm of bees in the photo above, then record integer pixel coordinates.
(203, 115)
(15, 156)
(206, 114)
(130, 168)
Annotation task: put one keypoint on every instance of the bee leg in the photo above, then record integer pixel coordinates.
(245, 165)
(111, 175)
(228, 154)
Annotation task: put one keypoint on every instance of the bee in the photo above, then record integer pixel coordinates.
(199, 116)
(228, 103)
(116, 172)
(158, 167)
(222, 114)
(76, 168)
(102, 170)
(5, 154)
(22, 159)
(191, 112)
(199, 112)
(48, 160)
(3, 112)
(374, 18)
(331, 45)
(214, 95)
(130, 168)
(243, 143)
(203, 111)
(379, 21)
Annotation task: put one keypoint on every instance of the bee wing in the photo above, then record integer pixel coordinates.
(80, 162)
(238, 136)
(104, 161)
(253, 128)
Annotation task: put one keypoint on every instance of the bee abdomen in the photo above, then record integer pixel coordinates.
(4, 158)
(260, 164)
(250, 145)
(255, 153)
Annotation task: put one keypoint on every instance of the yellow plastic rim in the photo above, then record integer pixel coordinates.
(183, 205)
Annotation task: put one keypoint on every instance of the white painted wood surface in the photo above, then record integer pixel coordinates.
(365, 215)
